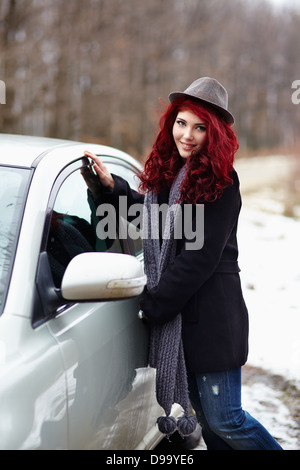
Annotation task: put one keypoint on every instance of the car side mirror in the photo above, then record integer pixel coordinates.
(102, 276)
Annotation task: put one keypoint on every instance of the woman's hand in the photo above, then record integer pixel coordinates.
(104, 175)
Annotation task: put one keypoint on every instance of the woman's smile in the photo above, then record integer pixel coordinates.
(187, 146)
(189, 133)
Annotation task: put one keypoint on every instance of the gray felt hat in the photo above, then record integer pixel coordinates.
(209, 91)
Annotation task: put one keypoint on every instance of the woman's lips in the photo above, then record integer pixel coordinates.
(187, 146)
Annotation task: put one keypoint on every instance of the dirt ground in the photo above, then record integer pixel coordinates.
(271, 183)
(275, 403)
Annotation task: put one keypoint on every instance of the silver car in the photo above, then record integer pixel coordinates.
(73, 352)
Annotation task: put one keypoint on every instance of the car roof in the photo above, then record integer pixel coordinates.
(23, 150)
(27, 151)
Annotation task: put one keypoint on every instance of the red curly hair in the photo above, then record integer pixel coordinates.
(208, 170)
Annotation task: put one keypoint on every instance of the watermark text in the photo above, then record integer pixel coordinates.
(186, 221)
(296, 93)
(2, 92)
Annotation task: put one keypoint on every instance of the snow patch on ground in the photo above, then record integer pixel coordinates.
(265, 404)
(270, 263)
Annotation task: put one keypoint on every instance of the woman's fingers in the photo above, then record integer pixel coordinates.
(101, 170)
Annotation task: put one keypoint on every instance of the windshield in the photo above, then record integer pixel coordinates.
(13, 185)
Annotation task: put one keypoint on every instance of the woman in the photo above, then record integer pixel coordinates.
(193, 300)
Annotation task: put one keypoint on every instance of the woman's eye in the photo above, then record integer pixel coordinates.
(202, 128)
(180, 123)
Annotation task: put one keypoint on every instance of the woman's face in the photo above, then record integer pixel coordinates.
(189, 132)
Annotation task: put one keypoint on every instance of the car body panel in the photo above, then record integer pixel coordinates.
(33, 398)
(103, 338)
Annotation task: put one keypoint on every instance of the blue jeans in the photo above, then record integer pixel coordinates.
(216, 399)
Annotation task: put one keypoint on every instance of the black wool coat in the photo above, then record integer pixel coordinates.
(204, 285)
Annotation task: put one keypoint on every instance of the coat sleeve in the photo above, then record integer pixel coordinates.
(191, 268)
(121, 188)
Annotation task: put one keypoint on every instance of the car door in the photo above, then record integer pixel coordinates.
(110, 389)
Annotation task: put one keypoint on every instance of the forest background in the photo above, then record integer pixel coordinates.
(98, 70)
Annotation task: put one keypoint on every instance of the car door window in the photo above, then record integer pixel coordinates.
(13, 189)
(73, 227)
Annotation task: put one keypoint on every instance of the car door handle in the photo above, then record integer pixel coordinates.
(123, 283)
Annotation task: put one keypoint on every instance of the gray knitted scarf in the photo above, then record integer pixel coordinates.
(166, 348)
